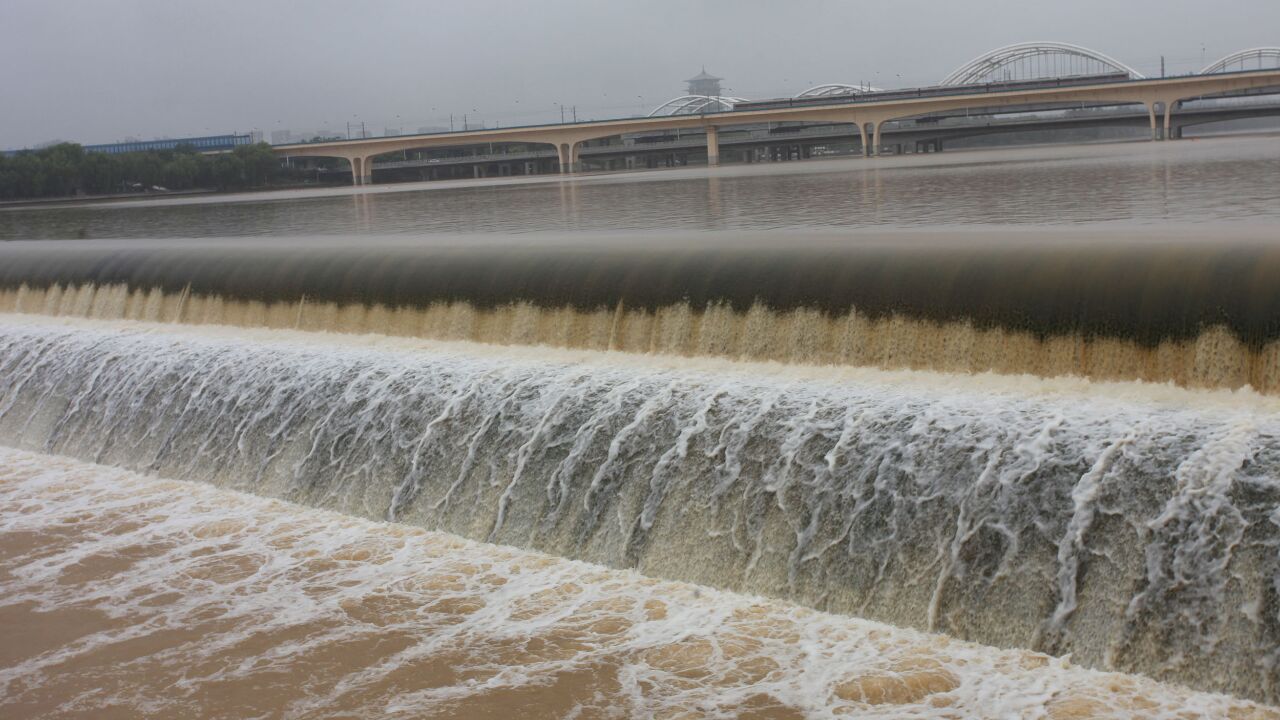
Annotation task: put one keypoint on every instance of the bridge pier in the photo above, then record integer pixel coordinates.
(1160, 112)
(713, 146)
(1158, 95)
(361, 170)
(570, 157)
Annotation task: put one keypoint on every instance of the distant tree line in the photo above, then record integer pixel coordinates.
(67, 170)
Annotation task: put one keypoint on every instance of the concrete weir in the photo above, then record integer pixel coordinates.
(1155, 308)
(1131, 526)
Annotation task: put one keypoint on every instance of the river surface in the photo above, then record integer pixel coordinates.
(1226, 179)
(128, 596)
(501, 448)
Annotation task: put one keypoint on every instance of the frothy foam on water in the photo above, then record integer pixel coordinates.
(1129, 525)
(129, 595)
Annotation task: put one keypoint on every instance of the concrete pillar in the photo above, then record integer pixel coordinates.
(361, 170)
(1168, 117)
(570, 154)
(1151, 114)
(713, 146)
(862, 135)
(875, 139)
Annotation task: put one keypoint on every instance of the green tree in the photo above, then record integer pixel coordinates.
(67, 169)
(100, 174)
(181, 171)
(260, 164)
(228, 172)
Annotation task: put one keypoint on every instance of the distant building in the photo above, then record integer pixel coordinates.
(704, 83)
(281, 137)
(255, 136)
(203, 144)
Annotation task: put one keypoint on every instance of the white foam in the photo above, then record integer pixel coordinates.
(1123, 523)
(239, 606)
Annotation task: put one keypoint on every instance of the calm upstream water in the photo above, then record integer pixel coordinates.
(667, 444)
(1194, 181)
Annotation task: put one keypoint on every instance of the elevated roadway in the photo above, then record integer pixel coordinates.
(867, 115)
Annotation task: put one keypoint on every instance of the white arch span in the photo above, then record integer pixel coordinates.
(984, 65)
(694, 104)
(837, 89)
(1241, 57)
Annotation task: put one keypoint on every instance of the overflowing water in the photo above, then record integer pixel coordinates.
(1137, 533)
(1162, 306)
(1054, 429)
(176, 600)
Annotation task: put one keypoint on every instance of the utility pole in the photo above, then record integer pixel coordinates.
(450, 122)
(1161, 66)
(562, 114)
(575, 113)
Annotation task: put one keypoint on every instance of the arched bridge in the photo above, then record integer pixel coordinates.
(1050, 60)
(1035, 60)
(694, 104)
(1259, 58)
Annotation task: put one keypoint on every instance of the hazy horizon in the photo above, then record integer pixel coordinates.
(87, 72)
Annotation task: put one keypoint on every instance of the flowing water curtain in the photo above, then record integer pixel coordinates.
(994, 516)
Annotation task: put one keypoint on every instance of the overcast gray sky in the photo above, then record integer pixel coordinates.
(101, 70)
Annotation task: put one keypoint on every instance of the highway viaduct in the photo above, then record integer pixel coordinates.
(762, 143)
(1159, 96)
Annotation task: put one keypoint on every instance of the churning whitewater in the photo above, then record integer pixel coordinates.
(177, 599)
(1131, 526)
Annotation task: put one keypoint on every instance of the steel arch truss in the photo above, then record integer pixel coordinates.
(694, 104)
(1258, 58)
(1034, 61)
(837, 89)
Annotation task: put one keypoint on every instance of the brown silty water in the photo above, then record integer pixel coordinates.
(128, 596)
(1127, 524)
(900, 390)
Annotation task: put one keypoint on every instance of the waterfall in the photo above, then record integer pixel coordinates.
(1132, 526)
